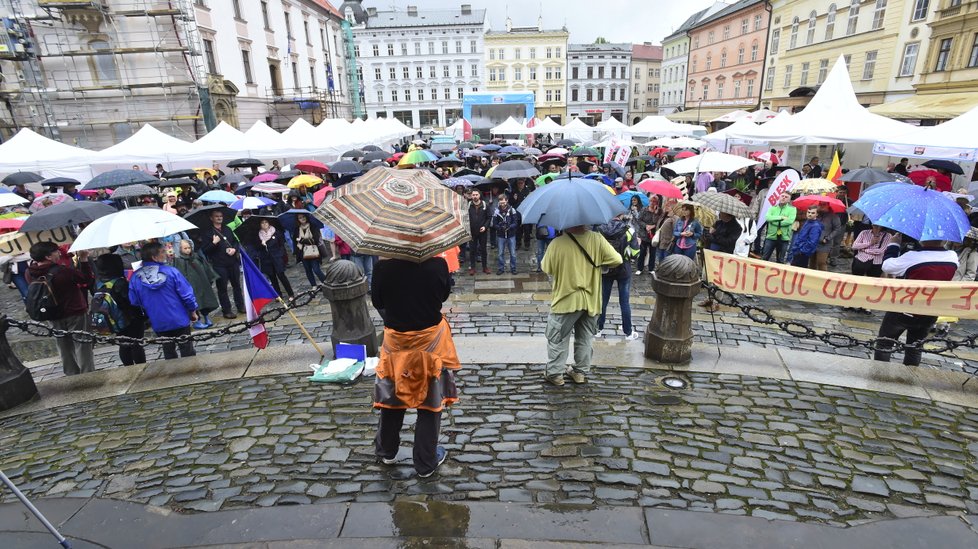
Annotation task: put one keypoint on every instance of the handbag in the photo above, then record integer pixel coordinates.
(310, 251)
(655, 240)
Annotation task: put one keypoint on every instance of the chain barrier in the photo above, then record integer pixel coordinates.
(269, 314)
(935, 344)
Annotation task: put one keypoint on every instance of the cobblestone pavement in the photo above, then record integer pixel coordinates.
(728, 444)
(518, 304)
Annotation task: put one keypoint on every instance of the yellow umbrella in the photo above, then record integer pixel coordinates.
(706, 216)
(304, 180)
(204, 172)
(814, 186)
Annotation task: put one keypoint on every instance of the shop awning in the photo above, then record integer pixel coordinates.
(931, 106)
(694, 115)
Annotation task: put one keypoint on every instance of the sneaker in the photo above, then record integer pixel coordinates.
(388, 461)
(632, 336)
(598, 335)
(199, 325)
(500, 271)
(577, 377)
(230, 315)
(557, 380)
(513, 271)
(471, 272)
(440, 454)
(638, 272)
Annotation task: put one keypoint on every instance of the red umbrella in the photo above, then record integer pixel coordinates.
(265, 177)
(920, 177)
(319, 196)
(804, 202)
(663, 188)
(7, 225)
(551, 158)
(768, 157)
(311, 166)
(685, 154)
(658, 150)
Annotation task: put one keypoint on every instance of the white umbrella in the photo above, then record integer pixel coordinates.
(677, 142)
(130, 225)
(10, 199)
(711, 162)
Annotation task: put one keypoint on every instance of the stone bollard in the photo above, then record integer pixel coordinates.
(346, 289)
(16, 382)
(669, 337)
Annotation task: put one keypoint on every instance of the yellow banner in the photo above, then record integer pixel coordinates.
(742, 275)
(20, 243)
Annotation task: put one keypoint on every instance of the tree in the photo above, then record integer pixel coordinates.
(600, 40)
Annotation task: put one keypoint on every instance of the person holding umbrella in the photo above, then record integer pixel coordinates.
(648, 221)
(271, 256)
(221, 248)
(167, 298)
(307, 239)
(687, 231)
(479, 218)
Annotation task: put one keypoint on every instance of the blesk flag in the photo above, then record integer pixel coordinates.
(258, 292)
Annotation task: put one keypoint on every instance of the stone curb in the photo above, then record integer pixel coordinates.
(110, 523)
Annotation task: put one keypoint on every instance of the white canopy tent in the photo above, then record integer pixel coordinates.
(955, 139)
(834, 115)
(510, 127)
(148, 145)
(660, 126)
(30, 151)
(611, 126)
(576, 129)
(224, 142)
(547, 125)
(732, 116)
(677, 142)
(720, 139)
(711, 162)
(761, 116)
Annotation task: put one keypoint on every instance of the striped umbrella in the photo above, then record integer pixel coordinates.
(416, 157)
(403, 214)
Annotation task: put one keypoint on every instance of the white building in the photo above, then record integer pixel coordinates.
(675, 59)
(598, 81)
(416, 65)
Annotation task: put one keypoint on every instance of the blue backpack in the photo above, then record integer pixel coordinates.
(104, 313)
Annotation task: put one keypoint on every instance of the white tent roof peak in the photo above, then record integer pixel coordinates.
(953, 140)
(146, 145)
(509, 127)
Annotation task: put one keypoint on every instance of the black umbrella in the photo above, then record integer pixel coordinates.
(69, 212)
(487, 184)
(287, 175)
(491, 148)
(465, 171)
(945, 165)
(371, 148)
(173, 174)
(202, 216)
(475, 153)
(352, 153)
(465, 145)
(232, 178)
(60, 182)
(449, 161)
(120, 178)
(133, 191)
(568, 142)
(869, 176)
(370, 156)
(245, 163)
(179, 182)
(584, 151)
(345, 167)
(247, 231)
(512, 169)
(21, 178)
(375, 164)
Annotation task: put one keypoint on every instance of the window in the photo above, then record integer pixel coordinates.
(549, 73)
(879, 13)
(393, 72)
(812, 19)
(830, 22)
(461, 92)
(322, 37)
(909, 62)
(574, 73)
(973, 58)
(517, 73)
(404, 50)
(406, 71)
(390, 50)
(376, 50)
(492, 75)
(459, 71)
(920, 10)
(246, 61)
(740, 54)
(869, 67)
(419, 71)
(492, 54)
(312, 76)
(394, 96)
(648, 88)
(431, 48)
(475, 70)
(444, 46)
(637, 87)
(696, 42)
(533, 53)
(709, 38)
(380, 97)
(473, 47)
(448, 92)
(942, 54)
(709, 61)
(356, 49)
(519, 53)
(295, 75)
(574, 94)
(750, 87)
(446, 72)
(590, 72)
(601, 72)
(434, 94)
(848, 59)
(533, 73)
(720, 89)
(421, 94)
(726, 32)
(600, 94)
(787, 76)
(853, 17)
(723, 59)
(557, 55)
(208, 54)
(407, 95)
(377, 73)
(502, 74)
(502, 53)
(432, 70)
(775, 40)
(589, 94)
(458, 46)
(757, 22)
(550, 53)
(744, 26)
(753, 51)
(793, 41)
(417, 48)
(614, 72)
(264, 14)
(804, 74)
(305, 31)
(236, 8)
(706, 90)
(288, 25)
(736, 89)
(634, 103)
(549, 95)
(823, 70)
(693, 65)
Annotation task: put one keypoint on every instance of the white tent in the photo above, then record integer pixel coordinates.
(576, 129)
(955, 139)
(720, 139)
(621, 142)
(547, 126)
(732, 116)
(834, 115)
(761, 116)
(457, 130)
(510, 127)
(677, 142)
(222, 143)
(612, 125)
(658, 126)
(711, 162)
(261, 137)
(146, 145)
(30, 151)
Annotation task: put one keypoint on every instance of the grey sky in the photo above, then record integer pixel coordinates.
(632, 21)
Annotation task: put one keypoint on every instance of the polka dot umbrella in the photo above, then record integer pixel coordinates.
(920, 213)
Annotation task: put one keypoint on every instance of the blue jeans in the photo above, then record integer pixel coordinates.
(689, 252)
(502, 244)
(21, 282)
(624, 285)
(771, 246)
(366, 264)
(542, 246)
(661, 254)
(312, 266)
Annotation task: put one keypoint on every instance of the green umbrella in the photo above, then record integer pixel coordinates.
(544, 179)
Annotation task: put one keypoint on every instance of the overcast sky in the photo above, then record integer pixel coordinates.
(616, 20)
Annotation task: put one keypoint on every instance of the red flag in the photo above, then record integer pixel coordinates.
(258, 292)
(466, 130)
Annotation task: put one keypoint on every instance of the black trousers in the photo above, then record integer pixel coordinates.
(388, 439)
(893, 326)
(477, 248)
(170, 349)
(133, 354)
(646, 249)
(276, 277)
(229, 274)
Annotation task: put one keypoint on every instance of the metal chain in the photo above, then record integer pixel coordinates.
(939, 345)
(269, 314)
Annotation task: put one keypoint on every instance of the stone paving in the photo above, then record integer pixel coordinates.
(729, 444)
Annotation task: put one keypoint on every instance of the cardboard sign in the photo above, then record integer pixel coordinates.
(20, 243)
(742, 275)
(785, 181)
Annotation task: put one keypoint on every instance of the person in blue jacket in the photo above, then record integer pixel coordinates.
(806, 239)
(687, 232)
(166, 296)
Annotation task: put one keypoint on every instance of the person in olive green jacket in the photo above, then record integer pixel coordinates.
(779, 219)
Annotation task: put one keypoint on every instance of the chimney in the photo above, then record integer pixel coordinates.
(371, 12)
(466, 9)
(412, 11)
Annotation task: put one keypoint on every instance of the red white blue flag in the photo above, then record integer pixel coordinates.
(258, 292)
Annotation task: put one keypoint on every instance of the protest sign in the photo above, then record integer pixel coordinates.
(20, 243)
(785, 181)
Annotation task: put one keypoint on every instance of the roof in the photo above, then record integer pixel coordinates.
(646, 51)
(324, 4)
(599, 47)
(425, 18)
(527, 30)
(731, 9)
(687, 24)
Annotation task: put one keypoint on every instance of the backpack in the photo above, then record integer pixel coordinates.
(104, 313)
(41, 303)
(620, 242)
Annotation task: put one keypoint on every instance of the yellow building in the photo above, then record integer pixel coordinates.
(948, 84)
(530, 59)
(884, 44)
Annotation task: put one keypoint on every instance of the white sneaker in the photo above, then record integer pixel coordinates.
(638, 272)
(632, 336)
(598, 335)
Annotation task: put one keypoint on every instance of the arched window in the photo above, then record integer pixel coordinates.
(810, 37)
(105, 68)
(740, 54)
(830, 22)
(723, 58)
(853, 17)
(709, 61)
(753, 51)
(793, 40)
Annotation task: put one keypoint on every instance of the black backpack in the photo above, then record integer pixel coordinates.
(41, 302)
(619, 242)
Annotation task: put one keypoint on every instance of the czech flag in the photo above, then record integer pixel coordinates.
(258, 292)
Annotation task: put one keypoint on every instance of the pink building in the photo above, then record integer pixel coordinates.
(726, 60)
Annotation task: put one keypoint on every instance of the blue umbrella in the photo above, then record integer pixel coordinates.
(453, 182)
(919, 213)
(251, 203)
(511, 149)
(475, 153)
(601, 178)
(569, 202)
(217, 196)
(288, 220)
(491, 148)
(626, 198)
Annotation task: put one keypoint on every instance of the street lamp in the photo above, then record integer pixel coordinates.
(699, 109)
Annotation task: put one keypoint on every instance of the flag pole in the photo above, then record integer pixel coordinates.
(301, 327)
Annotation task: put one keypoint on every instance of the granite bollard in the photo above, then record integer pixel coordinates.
(669, 337)
(346, 289)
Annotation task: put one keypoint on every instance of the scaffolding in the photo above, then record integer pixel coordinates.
(95, 71)
(352, 72)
